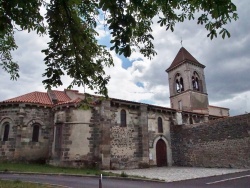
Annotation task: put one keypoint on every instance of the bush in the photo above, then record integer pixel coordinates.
(123, 174)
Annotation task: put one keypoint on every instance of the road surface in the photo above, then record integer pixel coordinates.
(241, 179)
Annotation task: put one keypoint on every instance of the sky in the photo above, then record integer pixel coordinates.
(139, 79)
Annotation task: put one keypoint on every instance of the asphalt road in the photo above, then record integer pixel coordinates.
(235, 180)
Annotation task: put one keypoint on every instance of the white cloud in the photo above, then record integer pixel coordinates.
(227, 65)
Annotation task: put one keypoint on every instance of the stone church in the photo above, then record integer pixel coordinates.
(68, 128)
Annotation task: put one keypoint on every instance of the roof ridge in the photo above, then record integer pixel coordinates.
(182, 56)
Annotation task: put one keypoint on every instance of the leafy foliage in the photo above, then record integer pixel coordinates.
(71, 25)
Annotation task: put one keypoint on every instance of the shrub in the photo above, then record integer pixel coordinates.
(123, 174)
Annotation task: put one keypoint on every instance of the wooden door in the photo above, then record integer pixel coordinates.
(161, 153)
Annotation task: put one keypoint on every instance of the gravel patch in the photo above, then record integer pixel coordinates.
(170, 174)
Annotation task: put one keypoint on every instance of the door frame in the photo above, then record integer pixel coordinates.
(161, 153)
(168, 150)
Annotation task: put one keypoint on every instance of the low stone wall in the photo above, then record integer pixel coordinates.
(221, 143)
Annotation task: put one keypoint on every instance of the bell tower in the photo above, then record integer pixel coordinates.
(187, 84)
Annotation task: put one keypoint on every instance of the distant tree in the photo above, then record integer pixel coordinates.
(71, 25)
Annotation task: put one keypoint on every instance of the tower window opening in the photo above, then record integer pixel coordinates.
(179, 84)
(178, 88)
(196, 82)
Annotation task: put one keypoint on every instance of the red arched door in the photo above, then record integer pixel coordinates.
(161, 153)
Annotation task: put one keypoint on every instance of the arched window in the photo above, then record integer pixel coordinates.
(35, 134)
(179, 84)
(6, 132)
(123, 118)
(160, 127)
(196, 82)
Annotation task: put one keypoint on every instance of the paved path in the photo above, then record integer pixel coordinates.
(233, 180)
(170, 174)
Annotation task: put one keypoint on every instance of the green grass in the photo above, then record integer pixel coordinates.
(44, 168)
(19, 184)
(123, 174)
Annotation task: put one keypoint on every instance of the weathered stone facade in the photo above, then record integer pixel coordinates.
(220, 143)
(21, 119)
(69, 128)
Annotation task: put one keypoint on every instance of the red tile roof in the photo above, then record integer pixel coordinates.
(33, 97)
(74, 101)
(42, 98)
(182, 56)
(61, 96)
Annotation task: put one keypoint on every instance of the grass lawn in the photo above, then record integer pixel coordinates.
(19, 184)
(44, 168)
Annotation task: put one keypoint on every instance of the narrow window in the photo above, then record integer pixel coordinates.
(35, 135)
(181, 84)
(6, 132)
(197, 84)
(123, 118)
(160, 128)
(193, 82)
(178, 89)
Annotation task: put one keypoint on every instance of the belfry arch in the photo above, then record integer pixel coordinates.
(179, 84)
(196, 82)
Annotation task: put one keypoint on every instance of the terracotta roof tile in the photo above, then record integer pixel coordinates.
(182, 56)
(61, 96)
(33, 97)
(42, 98)
(74, 101)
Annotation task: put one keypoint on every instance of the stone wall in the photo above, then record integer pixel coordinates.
(154, 135)
(126, 149)
(7, 148)
(219, 143)
(19, 146)
(74, 137)
(123, 147)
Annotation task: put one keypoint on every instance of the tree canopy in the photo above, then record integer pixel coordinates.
(73, 49)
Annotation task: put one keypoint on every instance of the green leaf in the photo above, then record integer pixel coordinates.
(73, 49)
